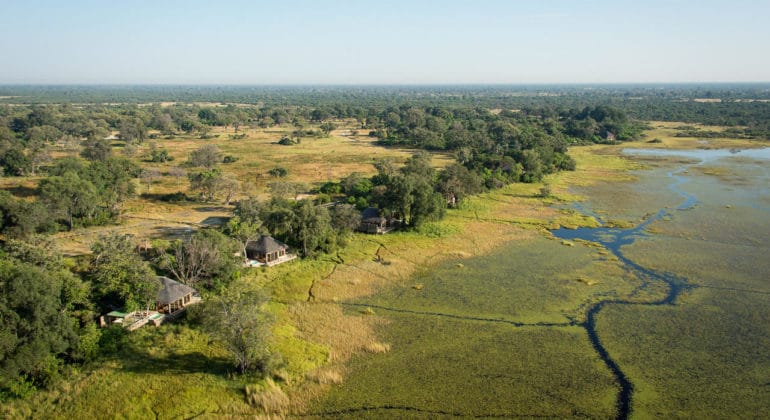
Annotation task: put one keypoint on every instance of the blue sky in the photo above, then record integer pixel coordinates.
(383, 42)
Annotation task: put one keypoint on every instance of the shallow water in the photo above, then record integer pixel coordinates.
(675, 323)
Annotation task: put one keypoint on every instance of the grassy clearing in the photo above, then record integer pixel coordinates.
(666, 131)
(525, 281)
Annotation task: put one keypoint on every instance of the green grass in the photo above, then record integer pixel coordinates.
(440, 368)
(704, 358)
(172, 371)
(529, 281)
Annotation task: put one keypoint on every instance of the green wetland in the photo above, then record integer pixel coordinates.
(666, 316)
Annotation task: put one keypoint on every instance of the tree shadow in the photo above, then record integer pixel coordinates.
(209, 209)
(214, 221)
(169, 232)
(140, 361)
(177, 197)
(22, 191)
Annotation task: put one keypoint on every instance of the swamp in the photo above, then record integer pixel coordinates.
(667, 317)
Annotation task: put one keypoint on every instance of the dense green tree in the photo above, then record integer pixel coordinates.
(207, 183)
(96, 149)
(15, 162)
(119, 274)
(38, 328)
(207, 156)
(244, 230)
(278, 216)
(207, 258)
(327, 127)
(239, 319)
(345, 218)
(312, 230)
(457, 182)
(134, 130)
(69, 197)
(112, 179)
(21, 218)
(248, 210)
(209, 116)
(278, 172)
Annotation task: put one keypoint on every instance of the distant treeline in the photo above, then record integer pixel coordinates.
(743, 105)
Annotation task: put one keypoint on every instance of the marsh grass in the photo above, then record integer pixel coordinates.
(476, 369)
(702, 358)
(325, 376)
(268, 397)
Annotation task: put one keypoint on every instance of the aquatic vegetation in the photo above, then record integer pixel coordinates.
(662, 312)
(454, 367)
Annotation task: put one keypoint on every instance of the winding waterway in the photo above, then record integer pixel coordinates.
(615, 239)
(498, 337)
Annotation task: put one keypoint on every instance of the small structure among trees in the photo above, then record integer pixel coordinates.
(173, 296)
(172, 300)
(373, 222)
(268, 251)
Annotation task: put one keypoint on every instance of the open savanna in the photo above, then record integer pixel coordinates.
(666, 132)
(146, 216)
(315, 160)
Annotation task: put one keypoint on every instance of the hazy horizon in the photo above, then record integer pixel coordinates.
(396, 43)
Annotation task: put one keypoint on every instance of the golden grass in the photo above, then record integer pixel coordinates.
(314, 161)
(268, 397)
(666, 132)
(377, 347)
(325, 376)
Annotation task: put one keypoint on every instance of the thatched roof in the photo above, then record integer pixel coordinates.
(265, 245)
(172, 291)
(371, 214)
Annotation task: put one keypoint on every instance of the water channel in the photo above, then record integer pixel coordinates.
(502, 337)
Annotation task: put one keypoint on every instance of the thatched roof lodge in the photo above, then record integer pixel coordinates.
(173, 299)
(174, 296)
(373, 222)
(268, 251)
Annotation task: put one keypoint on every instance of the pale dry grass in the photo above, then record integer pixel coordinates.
(325, 376)
(666, 131)
(269, 398)
(377, 347)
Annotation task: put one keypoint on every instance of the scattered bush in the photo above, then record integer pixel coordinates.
(288, 141)
(278, 172)
(177, 197)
